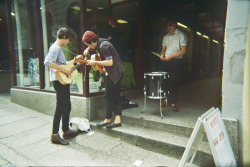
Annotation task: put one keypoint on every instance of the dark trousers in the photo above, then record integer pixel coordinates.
(113, 100)
(63, 107)
(173, 67)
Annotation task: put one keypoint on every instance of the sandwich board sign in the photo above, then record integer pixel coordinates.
(212, 124)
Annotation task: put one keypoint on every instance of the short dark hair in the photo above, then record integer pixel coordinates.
(63, 31)
(171, 20)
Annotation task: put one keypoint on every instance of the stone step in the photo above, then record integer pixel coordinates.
(145, 122)
(166, 143)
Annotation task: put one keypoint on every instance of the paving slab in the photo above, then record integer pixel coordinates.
(99, 142)
(65, 157)
(28, 137)
(40, 149)
(14, 157)
(20, 126)
(3, 162)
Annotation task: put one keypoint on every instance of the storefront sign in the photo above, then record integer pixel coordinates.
(93, 87)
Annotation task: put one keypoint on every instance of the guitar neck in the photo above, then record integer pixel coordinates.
(76, 66)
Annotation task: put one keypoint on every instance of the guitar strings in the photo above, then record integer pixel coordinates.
(77, 55)
(69, 51)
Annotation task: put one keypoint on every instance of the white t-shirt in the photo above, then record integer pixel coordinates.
(174, 42)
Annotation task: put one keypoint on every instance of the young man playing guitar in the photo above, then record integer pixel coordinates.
(54, 59)
(114, 72)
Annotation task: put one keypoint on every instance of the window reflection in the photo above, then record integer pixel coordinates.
(117, 24)
(25, 43)
(56, 14)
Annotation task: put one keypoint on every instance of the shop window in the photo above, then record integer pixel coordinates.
(129, 41)
(56, 14)
(25, 44)
(123, 36)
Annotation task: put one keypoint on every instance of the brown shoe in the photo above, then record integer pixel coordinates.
(56, 139)
(69, 134)
(174, 109)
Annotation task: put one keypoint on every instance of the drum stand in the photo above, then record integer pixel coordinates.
(160, 92)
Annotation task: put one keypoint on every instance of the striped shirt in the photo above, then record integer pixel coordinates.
(55, 55)
(107, 52)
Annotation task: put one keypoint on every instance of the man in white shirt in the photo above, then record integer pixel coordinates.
(174, 46)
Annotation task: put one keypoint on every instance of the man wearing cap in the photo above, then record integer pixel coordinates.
(114, 72)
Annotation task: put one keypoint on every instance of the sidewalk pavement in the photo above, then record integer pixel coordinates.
(25, 141)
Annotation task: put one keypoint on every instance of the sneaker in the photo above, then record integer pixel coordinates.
(69, 134)
(56, 139)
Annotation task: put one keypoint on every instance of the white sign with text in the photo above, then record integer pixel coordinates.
(212, 123)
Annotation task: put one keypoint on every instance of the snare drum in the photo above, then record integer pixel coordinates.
(156, 85)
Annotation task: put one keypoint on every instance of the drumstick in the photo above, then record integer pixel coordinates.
(156, 54)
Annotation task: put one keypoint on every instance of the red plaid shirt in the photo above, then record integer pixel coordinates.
(107, 51)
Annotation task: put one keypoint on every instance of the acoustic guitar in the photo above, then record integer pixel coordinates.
(98, 67)
(95, 67)
(66, 79)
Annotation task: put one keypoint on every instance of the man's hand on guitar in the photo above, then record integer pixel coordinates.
(78, 57)
(86, 52)
(67, 71)
(91, 62)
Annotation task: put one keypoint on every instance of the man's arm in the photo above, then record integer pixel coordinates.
(60, 68)
(103, 63)
(106, 50)
(178, 54)
(163, 50)
(86, 51)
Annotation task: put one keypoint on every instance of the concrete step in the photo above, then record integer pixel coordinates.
(162, 125)
(163, 142)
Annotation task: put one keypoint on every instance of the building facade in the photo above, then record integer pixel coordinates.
(213, 47)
